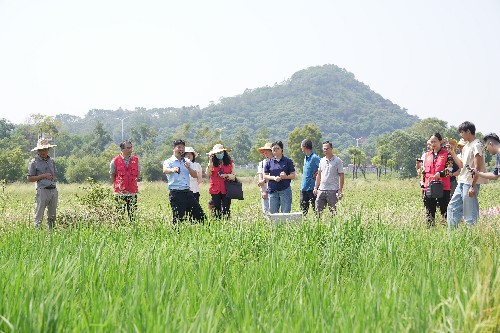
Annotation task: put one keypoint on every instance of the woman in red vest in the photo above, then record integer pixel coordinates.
(220, 167)
(438, 166)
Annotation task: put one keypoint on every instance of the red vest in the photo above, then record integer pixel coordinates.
(126, 177)
(217, 184)
(432, 166)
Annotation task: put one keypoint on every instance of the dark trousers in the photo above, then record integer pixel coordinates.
(431, 205)
(307, 198)
(128, 202)
(184, 202)
(222, 205)
(197, 196)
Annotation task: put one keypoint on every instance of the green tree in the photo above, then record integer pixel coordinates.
(358, 158)
(241, 147)
(96, 141)
(13, 166)
(309, 131)
(407, 146)
(426, 127)
(80, 168)
(6, 127)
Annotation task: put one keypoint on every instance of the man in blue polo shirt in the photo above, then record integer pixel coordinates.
(279, 171)
(311, 163)
(182, 200)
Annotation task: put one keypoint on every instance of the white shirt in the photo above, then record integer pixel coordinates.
(193, 182)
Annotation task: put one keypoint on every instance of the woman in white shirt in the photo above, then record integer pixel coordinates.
(194, 185)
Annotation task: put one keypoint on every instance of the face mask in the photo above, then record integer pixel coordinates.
(219, 156)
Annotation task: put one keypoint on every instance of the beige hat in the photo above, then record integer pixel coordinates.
(267, 146)
(43, 144)
(461, 142)
(191, 150)
(217, 149)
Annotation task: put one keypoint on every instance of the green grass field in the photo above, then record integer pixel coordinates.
(374, 267)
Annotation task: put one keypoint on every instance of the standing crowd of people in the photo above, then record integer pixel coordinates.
(452, 181)
(449, 180)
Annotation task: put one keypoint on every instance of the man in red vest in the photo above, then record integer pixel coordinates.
(125, 170)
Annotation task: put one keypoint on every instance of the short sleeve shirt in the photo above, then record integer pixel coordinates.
(178, 181)
(274, 167)
(39, 166)
(470, 150)
(330, 170)
(193, 182)
(311, 163)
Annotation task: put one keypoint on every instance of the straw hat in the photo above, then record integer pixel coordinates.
(191, 150)
(461, 142)
(43, 144)
(267, 146)
(217, 149)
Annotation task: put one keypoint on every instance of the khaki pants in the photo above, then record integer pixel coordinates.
(326, 197)
(46, 198)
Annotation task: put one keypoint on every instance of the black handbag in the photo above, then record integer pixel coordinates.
(435, 189)
(234, 189)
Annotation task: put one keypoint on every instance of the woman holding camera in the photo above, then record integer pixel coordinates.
(438, 166)
(220, 168)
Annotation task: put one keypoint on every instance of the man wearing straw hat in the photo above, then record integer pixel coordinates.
(265, 150)
(42, 170)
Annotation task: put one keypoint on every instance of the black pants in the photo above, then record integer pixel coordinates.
(128, 202)
(306, 198)
(431, 205)
(184, 202)
(197, 196)
(222, 205)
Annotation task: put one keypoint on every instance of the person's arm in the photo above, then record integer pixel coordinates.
(341, 183)
(453, 148)
(208, 170)
(478, 162)
(167, 169)
(192, 172)
(488, 175)
(232, 175)
(39, 177)
(317, 182)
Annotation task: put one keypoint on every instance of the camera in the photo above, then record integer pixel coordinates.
(220, 172)
(470, 170)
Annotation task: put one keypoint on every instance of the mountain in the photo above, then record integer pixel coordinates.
(328, 96)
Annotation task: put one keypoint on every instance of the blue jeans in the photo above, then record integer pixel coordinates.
(281, 199)
(463, 205)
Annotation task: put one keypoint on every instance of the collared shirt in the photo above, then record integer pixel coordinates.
(39, 166)
(311, 164)
(274, 167)
(112, 167)
(470, 150)
(330, 170)
(178, 181)
(260, 170)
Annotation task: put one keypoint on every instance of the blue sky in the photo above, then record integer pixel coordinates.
(434, 58)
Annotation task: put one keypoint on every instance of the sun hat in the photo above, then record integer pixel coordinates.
(217, 149)
(461, 142)
(267, 146)
(191, 150)
(43, 144)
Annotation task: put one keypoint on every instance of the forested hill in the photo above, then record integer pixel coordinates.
(327, 96)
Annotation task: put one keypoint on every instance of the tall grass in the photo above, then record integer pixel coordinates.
(372, 267)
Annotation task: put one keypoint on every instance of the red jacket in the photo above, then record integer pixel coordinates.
(432, 166)
(217, 184)
(126, 177)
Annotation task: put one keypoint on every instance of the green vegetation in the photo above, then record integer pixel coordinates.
(373, 267)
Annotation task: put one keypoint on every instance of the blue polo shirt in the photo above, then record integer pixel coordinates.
(311, 164)
(274, 167)
(177, 181)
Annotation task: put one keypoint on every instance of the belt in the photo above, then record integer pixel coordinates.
(182, 191)
(51, 187)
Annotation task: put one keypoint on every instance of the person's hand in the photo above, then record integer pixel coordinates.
(177, 169)
(282, 174)
(340, 195)
(315, 191)
(261, 183)
(264, 195)
(47, 176)
(453, 145)
(472, 192)
(187, 165)
(277, 179)
(437, 175)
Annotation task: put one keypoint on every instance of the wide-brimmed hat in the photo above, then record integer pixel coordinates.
(461, 142)
(217, 149)
(191, 150)
(267, 146)
(43, 144)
